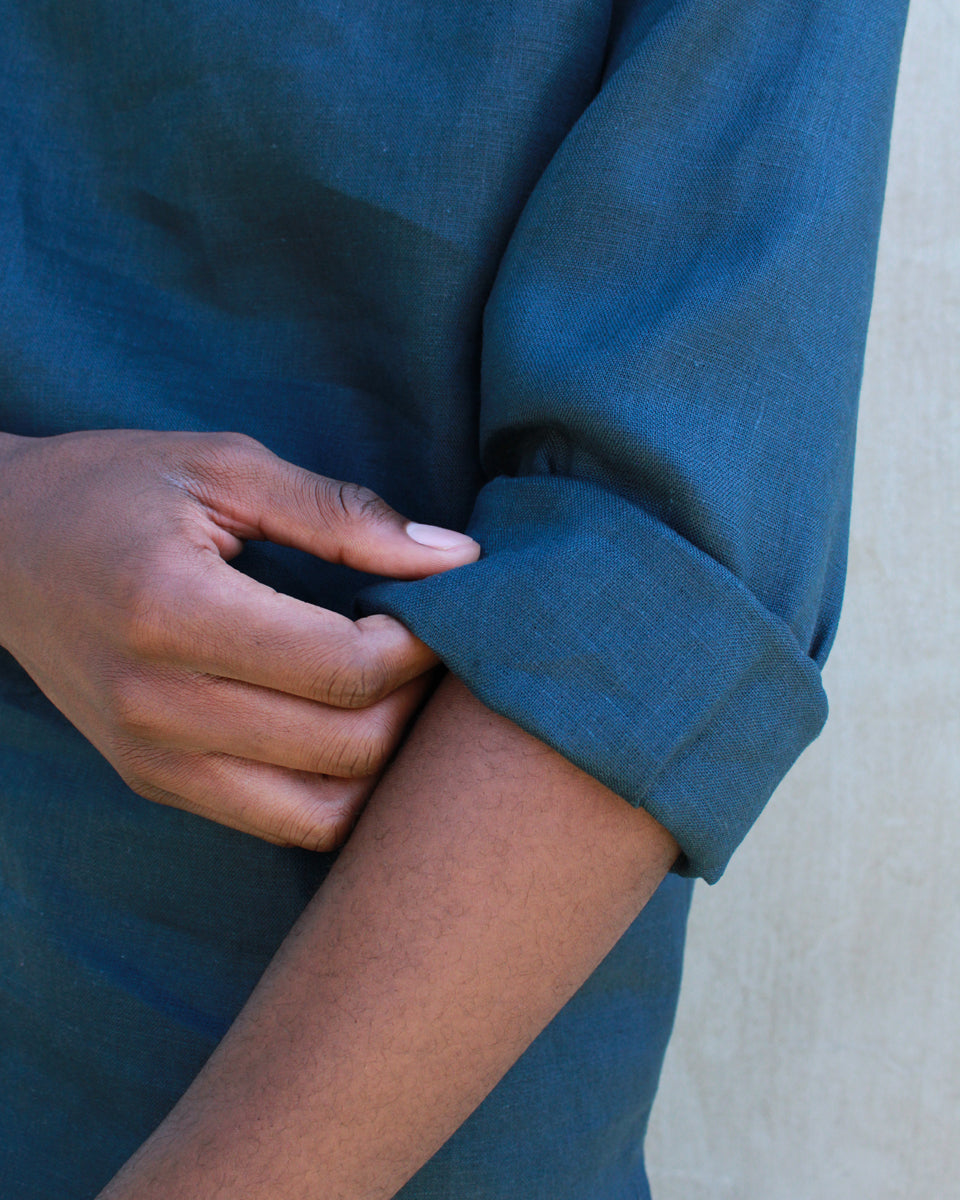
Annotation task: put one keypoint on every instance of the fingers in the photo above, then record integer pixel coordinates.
(255, 494)
(123, 598)
(210, 619)
(288, 808)
(284, 769)
(205, 714)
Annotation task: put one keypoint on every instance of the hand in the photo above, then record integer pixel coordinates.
(204, 689)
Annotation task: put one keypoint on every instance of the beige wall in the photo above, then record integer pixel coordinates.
(817, 1051)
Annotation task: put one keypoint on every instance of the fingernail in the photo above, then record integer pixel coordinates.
(437, 538)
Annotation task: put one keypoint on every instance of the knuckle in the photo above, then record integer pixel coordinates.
(355, 503)
(368, 680)
(215, 455)
(374, 746)
(330, 827)
(337, 830)
(234, 440)
(339, 756)
(131, 709)
(389, 652)
(356, 682)
(230, 445)
(134, 781)
(332, 672)
(143, 625)
(355, 757)
(346, 749)
(314, 754)
(309, 831)
(401, 658)
(140, 787)
(138, 772)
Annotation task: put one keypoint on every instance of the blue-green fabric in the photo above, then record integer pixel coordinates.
(589, 277)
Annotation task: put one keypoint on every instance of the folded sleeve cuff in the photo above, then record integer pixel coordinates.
(596, 628)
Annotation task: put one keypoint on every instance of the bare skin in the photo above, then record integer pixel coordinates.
(204, 689)
(485, 880)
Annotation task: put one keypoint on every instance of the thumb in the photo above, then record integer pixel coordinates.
(268, 498)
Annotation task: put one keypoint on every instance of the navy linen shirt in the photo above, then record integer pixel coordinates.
(590, 278)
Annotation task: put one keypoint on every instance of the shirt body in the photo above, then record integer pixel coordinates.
(543, 269)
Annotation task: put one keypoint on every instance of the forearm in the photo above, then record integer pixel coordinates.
(485, 881)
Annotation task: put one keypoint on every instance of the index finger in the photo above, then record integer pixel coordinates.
(220, 622)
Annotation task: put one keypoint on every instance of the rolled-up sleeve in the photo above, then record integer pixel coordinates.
(672, 353)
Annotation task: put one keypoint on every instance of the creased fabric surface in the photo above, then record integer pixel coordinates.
(590, 278)
(679, 319)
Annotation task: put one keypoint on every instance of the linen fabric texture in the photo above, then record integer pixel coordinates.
(590, 279)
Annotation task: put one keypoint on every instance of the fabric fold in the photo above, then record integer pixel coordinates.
(679, 691)
(671, 360)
